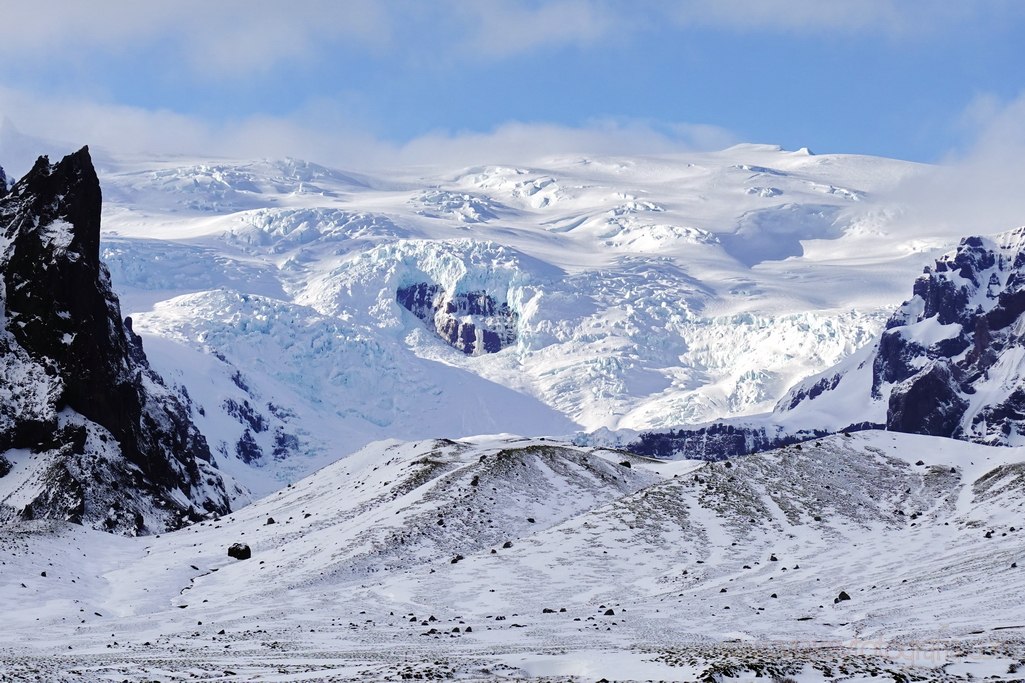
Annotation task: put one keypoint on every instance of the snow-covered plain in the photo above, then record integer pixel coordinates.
(649, 292)
(510, 558)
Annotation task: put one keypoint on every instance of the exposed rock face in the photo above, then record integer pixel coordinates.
(115, 448)
(472, 322)
(951, 361)
(958, 360)
(722, 440)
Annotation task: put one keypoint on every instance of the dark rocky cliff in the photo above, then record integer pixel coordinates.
(950, 362)
(113, 447)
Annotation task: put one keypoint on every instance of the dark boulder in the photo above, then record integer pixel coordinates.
(240, 551)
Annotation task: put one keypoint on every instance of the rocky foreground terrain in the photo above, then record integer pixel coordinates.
(484, 559)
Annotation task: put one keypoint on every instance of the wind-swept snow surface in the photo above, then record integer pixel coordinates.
(494, 558)
(569, 295)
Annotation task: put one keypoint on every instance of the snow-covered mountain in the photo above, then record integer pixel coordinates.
(880, 556)
(88, 432)
(570, 295)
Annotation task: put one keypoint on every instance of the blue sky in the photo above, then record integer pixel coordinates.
(405, 80)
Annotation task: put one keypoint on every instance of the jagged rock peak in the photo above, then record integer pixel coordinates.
(70, 191)
(117, 447)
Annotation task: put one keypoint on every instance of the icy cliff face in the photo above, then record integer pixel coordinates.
(88, 431)
(951, 361)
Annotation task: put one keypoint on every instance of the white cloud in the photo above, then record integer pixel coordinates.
(497, 29)
(67, 123)
(241, 38)
(977, 190)
(217, 39)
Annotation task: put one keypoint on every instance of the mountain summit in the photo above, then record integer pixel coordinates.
(97, 436)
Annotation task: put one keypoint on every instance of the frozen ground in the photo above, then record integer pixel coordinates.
(507, 558)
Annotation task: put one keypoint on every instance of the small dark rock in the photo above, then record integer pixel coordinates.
(270, 520)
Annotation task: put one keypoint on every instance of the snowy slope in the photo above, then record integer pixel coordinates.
(620, 293)
(492, 558)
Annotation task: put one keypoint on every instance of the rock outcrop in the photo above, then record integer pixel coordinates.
(98, 438)
(951, 360)
(471, 322)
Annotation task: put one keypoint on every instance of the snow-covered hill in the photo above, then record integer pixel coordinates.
(574, 294)
(490, 558)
